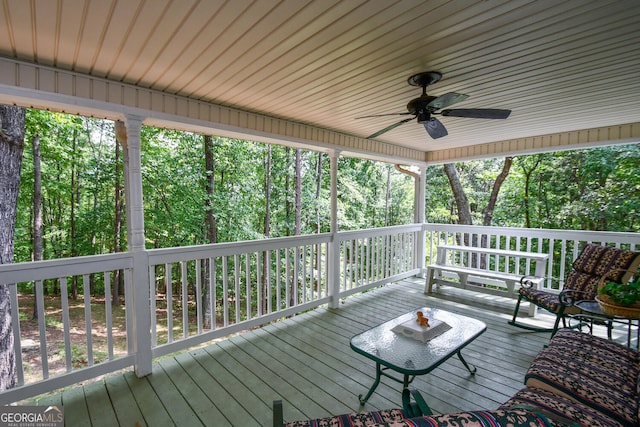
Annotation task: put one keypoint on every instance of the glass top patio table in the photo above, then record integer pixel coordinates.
(411, 357)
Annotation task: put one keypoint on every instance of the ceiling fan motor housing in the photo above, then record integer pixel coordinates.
(419, 104)
(420, 107)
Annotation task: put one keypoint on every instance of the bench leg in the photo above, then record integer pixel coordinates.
(428, 286)
(463, 279)
(511, 286)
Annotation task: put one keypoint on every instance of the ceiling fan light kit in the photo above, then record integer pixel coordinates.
(424, 106)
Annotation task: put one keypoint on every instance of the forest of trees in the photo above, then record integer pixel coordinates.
(246, 183)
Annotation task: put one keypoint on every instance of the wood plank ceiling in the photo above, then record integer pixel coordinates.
(560, 66)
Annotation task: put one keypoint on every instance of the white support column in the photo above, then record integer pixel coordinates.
(133, 191)
(334, 244)
(141, 318)
(420, 210)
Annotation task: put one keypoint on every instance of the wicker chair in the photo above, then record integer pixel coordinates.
(593, 263)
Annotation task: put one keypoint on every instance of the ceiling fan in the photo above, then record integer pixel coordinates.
(425, 106)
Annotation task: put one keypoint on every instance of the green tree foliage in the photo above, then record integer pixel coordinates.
(586, 189)
(595, 189)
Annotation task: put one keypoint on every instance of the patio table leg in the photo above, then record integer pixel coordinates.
(373, 387)
(466, 365)
(406, 380)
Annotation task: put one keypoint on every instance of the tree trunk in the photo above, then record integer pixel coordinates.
(462, 203)
(37, 213)
(11, 150)
(527, 182)
(210, 225)
(488, 213)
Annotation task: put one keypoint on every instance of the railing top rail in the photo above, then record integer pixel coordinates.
(579, 235)
(64, 267)
(373, 232)
(159, 256)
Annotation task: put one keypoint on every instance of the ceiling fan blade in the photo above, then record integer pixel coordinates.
(435, 128)
(477, 113)
(388, 128)
(446, 100)
(382, 115)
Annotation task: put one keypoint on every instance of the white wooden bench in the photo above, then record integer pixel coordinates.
(471, 266)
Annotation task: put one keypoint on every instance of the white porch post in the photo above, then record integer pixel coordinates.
(420, 210)
(334, 244)
(140, 318)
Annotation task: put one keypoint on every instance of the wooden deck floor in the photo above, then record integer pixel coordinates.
(306, 361)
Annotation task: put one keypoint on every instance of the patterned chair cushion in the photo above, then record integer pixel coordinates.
(586, 284)
(547, 300)
(590, 370)
(561, 407)
(494, 418)
(598, 260)
(593, 262)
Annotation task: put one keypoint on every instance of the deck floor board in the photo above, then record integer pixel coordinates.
(306, 362)
(120, 396)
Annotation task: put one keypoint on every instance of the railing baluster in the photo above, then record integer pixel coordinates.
(225, 290)
(199, 294)
(247, 287)
(213, 291)
(152, 303)
(236, 286)
(185, 299)
(296, 276)
(87, 318)
(42, 329)
(168, 280)
(107, 311)
(259, 296)
(66, 323)
(15, 320)
(278, 281)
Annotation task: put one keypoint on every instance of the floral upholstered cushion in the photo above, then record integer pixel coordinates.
(494, 418)
(596, 372)
(389, 417)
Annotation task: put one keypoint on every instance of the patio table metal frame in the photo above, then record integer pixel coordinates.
(412, 357)
(591, 313)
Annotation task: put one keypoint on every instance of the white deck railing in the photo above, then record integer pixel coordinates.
(184, 297)
(187, 296)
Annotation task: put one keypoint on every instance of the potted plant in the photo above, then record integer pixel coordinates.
(621, 299)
